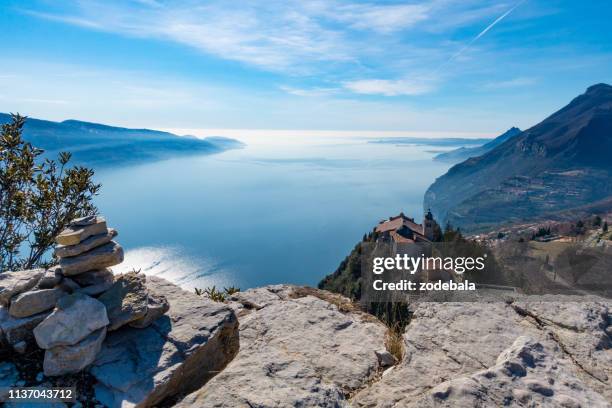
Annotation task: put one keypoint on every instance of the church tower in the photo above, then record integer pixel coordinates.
(430, 227)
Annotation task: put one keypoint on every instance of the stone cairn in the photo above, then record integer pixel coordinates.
(68, 310)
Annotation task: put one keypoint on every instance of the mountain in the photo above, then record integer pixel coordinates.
(103, 145)
(462, 153)
(562, 163)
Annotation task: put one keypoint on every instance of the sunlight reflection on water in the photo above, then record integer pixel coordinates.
(174, 265)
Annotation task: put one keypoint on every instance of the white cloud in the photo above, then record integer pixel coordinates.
(510, 83)
(384, 19)
(318, 38)
(311, 92)
(390, 87)
(293, 36)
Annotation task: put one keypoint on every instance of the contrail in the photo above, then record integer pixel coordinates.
(480, 35)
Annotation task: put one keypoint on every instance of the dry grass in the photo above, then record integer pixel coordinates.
(395, 343)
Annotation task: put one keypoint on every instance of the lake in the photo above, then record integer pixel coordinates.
(276, 211)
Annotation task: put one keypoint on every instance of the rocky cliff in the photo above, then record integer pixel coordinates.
(560, 164)
(306, 347)
(464, 153)
(310, 348)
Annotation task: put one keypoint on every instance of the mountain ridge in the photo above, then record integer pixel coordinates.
(105, 145)
(560, 163)
(463, 153)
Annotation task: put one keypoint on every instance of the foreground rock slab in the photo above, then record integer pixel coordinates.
(528, 373)
(101, 257)
(14, 283)
(75, 317)
(296, 350)
(16, 330)
(175, 355)
(494, 354)
(126, 300)
(35, 301)
(62, 360)
(157, 306)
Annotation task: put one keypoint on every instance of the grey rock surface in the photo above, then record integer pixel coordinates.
(157, 306)
(101, 257)
(75, 317)
(69, 285)
(94, 277)
(456, 354)
(52, 277)
(14, 283)
(77, 232)
(15, 330)
(62, 360)
(528, 373)
(176, 354)
(65, 251)
(295, 352)
(95, 290)
(126, 300)
(84, 221)
(34, 302)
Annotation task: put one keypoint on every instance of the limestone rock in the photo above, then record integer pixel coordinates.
(157, 306)
(126, 300)
(77, 232)
(14, 283)
(65, 251)
(580, 327)
(95, 282)
(295, 352)
(94, 277)
(385, 359)
(69, 285)
(35, 301)
(14, 330)
(175, 355)
(461, 354)
(528, 373)
(258, 298)
(95, 290)
(84, 221)
(75, 317)
(102, 257)
(51, 278)
(62, 360)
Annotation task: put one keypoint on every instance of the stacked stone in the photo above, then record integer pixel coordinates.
(68, 309)
(86, 250)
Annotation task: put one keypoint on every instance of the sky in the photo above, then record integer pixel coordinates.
(448, 67)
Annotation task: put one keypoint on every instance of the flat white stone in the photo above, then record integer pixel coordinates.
(75, 317)
(77, 233)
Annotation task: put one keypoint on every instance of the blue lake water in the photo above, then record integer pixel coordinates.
(275, 211)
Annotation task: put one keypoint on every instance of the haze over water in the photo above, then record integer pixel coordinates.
(285, 211)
